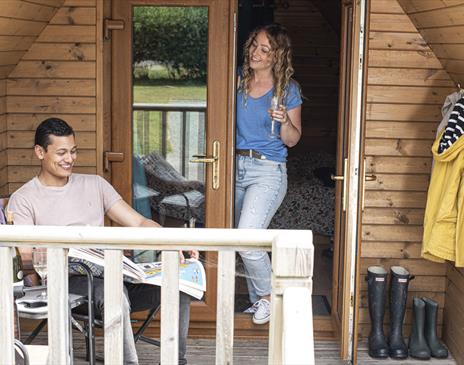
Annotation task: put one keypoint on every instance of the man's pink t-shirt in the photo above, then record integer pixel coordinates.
(83, 201)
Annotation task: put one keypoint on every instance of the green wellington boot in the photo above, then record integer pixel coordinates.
(418, 347)
(376, 288)
(398, 294)
(437, 349)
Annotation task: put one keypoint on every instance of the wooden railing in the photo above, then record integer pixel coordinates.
(144, 121)
(291, 327)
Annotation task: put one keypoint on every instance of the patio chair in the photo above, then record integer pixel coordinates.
(178, 197)
(84, 313)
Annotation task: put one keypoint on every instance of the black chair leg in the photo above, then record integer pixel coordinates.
(139, 334)
(35, 332)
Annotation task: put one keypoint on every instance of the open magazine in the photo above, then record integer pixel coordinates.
(192, 278)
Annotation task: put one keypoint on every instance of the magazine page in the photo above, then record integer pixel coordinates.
(192, 277)
(97, 257)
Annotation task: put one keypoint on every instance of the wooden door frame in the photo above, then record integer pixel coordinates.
(222, 13)
(349, 241)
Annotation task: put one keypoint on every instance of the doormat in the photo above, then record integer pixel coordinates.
(321, 306)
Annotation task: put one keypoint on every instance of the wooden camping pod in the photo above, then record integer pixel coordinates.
(52, 64)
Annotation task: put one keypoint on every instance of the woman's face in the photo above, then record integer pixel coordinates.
(261, 55)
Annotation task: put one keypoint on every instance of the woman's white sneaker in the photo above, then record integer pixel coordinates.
(252, 309)
(263, 311)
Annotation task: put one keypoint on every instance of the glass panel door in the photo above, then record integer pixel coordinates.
(169, 62)
(172, 102)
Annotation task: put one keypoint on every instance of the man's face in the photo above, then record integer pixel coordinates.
(58, 160)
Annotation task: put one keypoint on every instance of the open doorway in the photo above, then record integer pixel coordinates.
(314, 28)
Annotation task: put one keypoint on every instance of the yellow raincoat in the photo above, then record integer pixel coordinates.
(444, 213)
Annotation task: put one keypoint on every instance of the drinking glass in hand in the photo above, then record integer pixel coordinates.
(39, 261)
(275, 105)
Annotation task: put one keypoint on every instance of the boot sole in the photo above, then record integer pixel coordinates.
(378, 356)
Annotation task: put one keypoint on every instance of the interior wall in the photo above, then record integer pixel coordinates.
(453, 326)
(407, 86)
(315, 56)
(20, 24)
(55, 77)
(441, 23)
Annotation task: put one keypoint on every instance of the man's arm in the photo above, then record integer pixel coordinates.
(124, 215)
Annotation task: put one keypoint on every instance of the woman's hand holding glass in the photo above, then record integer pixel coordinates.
(278, 113)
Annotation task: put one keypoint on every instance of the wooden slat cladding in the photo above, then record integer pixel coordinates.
(3, 139)
(453, 326)
(55, 77)
(441, 24)
(407, 86)
(20, 24)
(316, 54)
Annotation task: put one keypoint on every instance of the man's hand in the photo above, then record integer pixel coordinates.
(32, 279)
(194, 254)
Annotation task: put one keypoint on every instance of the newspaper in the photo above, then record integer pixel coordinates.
(192, 277)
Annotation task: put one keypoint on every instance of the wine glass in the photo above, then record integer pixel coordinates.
(275, 105)
(39, 261)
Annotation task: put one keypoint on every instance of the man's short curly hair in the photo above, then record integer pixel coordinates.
(51, 126)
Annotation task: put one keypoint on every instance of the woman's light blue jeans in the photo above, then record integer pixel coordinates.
(260, 188)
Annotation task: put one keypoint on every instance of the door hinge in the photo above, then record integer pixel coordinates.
(110, 25)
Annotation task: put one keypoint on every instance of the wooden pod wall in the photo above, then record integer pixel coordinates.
(56, 76)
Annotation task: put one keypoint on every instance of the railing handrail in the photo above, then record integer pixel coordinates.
(208, 239)
(292, 265)
(177, 107)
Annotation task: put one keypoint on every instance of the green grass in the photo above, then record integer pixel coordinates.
(166, 91)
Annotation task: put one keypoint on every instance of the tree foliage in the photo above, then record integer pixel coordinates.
(176, 37)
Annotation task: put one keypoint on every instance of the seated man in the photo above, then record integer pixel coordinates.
(58, 197)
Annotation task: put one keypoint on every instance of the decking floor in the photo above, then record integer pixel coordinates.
(202, 352)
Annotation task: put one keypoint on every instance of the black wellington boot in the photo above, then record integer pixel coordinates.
(398, 294)
(376, 287)
(418, 347)
(436, 347)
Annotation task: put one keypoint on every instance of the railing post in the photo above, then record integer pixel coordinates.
(292, 266)
(225, 308)
(170, 308)
(6, 306)
(58, 306)
(113, 307)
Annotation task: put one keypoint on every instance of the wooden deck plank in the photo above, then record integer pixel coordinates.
(202, 352)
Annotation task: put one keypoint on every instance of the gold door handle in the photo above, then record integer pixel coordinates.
(337, 177)
(367, 177)
(342, 178)
(212, 160)
(202, 159)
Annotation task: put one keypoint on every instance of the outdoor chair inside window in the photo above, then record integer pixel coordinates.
(179, 198)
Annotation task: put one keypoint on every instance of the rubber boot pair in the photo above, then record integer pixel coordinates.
(424, 342)
(395, 348)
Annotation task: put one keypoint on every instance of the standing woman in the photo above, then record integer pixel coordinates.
(263, 135)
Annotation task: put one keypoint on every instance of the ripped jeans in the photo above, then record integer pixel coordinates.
(260, 188)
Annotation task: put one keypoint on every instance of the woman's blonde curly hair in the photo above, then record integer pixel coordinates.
(282, 51)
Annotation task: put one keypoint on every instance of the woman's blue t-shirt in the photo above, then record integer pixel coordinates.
(254, 123)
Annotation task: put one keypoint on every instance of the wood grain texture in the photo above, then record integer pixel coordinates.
(6, 306)
(225, 311)
(407, 85)
(441, 25)
(170, 308)
(58, 306)
(113, 288)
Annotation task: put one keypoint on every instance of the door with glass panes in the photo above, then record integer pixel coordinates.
(172, 118)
